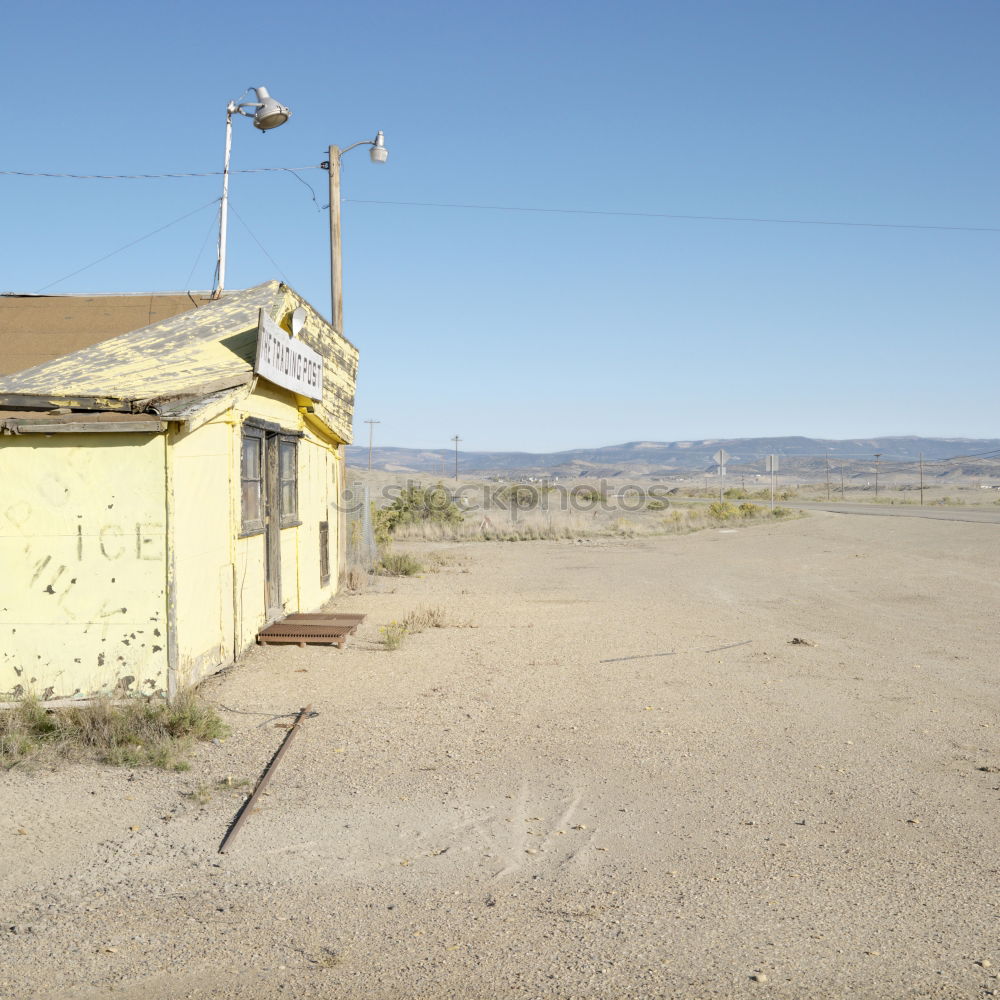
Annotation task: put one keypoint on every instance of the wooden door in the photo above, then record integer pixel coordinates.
(272, 527)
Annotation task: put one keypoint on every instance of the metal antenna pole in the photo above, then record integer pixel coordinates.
(371, 432)
(220, 267)
(456, 439)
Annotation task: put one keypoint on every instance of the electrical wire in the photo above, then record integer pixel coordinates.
(152, 177)
(204, 243)
(258, 242)
(312, 190)
(519, 208)
(516, 208)
(160, 229)
(668, 215)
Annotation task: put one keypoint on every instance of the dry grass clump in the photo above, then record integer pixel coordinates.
(142, 732)
(393, 635)
(425, 618)
(439, 559)
(355, 578)
(399, 564)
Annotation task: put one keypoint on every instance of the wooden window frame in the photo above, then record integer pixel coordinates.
(288, 518)
(324, 553)
(252, 526)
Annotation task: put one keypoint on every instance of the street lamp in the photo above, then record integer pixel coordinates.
(267, 114)
(379, 154)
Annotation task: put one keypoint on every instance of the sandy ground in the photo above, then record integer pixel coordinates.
(623, 782)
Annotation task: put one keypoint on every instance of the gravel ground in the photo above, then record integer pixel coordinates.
(613, 776)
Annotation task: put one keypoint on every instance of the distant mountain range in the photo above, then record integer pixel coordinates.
(665, 458)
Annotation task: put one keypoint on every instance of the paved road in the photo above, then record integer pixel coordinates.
(936, 513)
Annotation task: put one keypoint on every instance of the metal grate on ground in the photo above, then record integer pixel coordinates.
(310, 629)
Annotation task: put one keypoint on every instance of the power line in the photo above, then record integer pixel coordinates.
(518, 208)
(152, 177)
(258, 242)
(670, 215)
(127, 245)
(204, 243)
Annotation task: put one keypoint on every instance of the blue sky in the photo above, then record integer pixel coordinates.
(544, 331)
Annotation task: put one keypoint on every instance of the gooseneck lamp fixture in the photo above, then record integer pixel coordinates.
(267, 114)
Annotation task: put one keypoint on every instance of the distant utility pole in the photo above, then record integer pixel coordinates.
(827, 475)
(771, 466)
(841, 482)
(878, 455)
(371, 433)
(456, 439)
(921, 479)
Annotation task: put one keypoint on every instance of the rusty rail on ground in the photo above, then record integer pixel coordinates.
(244, 814)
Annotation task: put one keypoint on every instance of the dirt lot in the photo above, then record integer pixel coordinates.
(624, 781)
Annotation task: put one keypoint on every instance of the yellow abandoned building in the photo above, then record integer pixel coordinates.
(170, 474)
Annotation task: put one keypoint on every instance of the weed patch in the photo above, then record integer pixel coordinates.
(393, 635)
(145, 732)
(399, 564)
(425, 618)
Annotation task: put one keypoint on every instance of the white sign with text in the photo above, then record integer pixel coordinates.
(286, 361)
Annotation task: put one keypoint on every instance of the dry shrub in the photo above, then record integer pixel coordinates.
(142, 732)
(393, 635)
(438, 559)
(425, 618)
(356, 578)
(399, 564)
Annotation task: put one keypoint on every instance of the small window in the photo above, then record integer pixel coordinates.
(324, 553)
(288, 475)
(252, 482)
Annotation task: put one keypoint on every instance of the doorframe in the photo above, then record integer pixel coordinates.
(272, 526)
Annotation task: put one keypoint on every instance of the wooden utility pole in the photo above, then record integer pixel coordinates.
(827, 475)
(841, 482)
(336, 263)
(371, 432)
(456, 439)
(921, 479)
(878, 455)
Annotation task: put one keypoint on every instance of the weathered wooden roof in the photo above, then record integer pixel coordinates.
(189, 356)
(39, 328)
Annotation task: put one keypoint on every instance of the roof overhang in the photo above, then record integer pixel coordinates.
(61, 422)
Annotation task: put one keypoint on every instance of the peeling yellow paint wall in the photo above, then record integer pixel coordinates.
(83, 558)
(202, 538)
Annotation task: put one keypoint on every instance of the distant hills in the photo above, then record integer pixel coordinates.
(806, 456)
